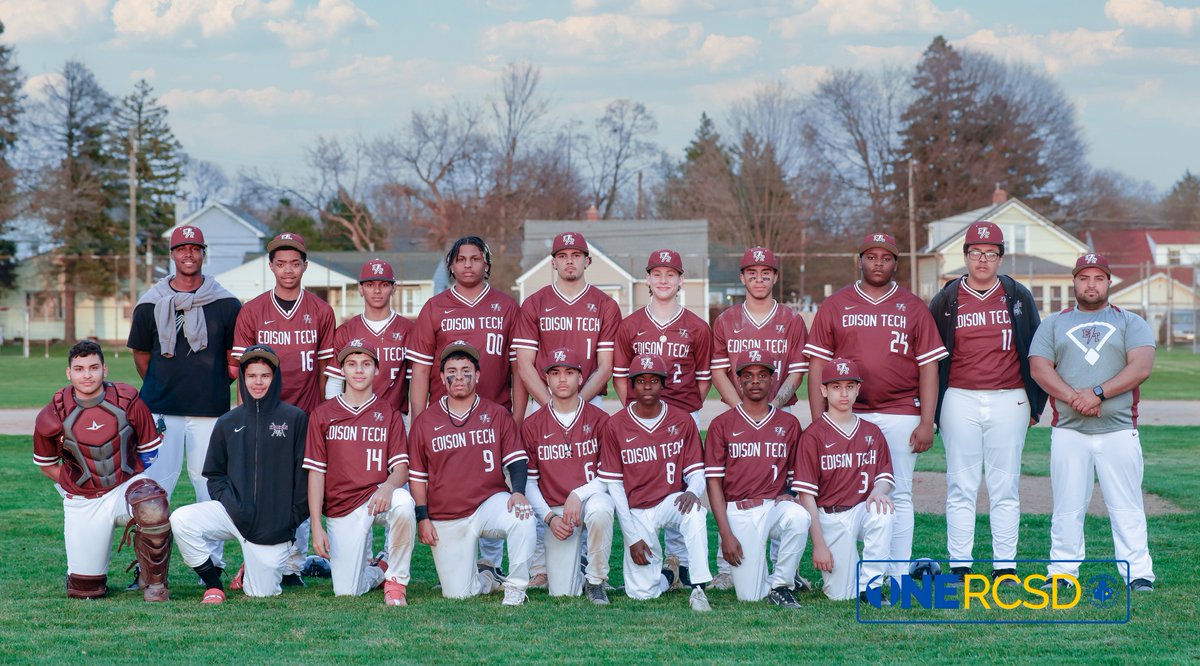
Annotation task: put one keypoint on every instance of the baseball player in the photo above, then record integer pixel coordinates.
(843, 477)
(460, 449)
(749, 453)
(299, 327)
(568, 313)
(1091, 359)
(357, 462)
(650, 458)
(181, 337)
(986, 321)
(94, 441)
(256, 482)
(890, 334)
(564, 449)
(383, 329)
(470, 311)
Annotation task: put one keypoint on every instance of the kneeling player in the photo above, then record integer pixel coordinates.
(650, 458)
(563, 446)
(843, 476)
(748, 455)
(256, 482)
(459, 449)
(349, 439)
(94, 440)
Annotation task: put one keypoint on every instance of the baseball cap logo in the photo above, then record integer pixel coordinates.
(285, 236)
(754, 355)
(647, 363)
(357, 342)
(664, 256)
(1090, 258)
(188, 232)
(759, 255)
(459, 342)
(569, 239)
(377, 269)
(560, 355)
(843, 368)
(983, 232)
(878, 238)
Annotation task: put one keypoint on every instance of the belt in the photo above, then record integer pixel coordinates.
(838, 508)
(749, 503)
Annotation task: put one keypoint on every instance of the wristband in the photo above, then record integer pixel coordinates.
(422, 512)
(550, 516)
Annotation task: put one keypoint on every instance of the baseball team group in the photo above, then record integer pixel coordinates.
(478, 429)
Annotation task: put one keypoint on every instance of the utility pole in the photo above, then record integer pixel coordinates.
(639, 199)
(133, 291)
(912, 229)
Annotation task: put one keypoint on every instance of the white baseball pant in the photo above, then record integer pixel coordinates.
(897, 428)
(562, 557)
(984, 431)
(197, 527)
(785, 522)
(88, 528)
(454, 554)
(842, 532)
(350, 545)
(188, 434)
(647, 582)
(1076, 460)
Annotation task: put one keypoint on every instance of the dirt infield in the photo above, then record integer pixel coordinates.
(929, 496)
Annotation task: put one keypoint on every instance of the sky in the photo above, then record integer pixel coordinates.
(250, 83)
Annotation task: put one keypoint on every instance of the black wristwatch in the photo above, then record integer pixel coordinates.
(1099, 392)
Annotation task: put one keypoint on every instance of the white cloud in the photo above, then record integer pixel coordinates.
(149, 73)
(1151, 14)
(803, 78)
(327, 20)
(154, 19)
(839, 17)
(1056, 51)
(29, 20)
(717, 51)
(263, 101)
(302, 59)
(35, 86)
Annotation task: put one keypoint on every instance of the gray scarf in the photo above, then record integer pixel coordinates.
(167, 301)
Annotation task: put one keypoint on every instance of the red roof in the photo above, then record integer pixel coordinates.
(1127, 251)
(1174, 236)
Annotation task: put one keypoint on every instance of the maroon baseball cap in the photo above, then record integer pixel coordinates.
(459, 346)
(563, 358)
(569, 240)
(840, 369)
(647, 364)
(984, 233)
(1092, 260)
(754, 357)
(759, 256)
(357, 346)
(885, 241)
(376, 270)
(187, 235)
(665, 259)
(287, 241)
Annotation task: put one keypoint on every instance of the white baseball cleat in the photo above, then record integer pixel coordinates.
(513, 597)
(699, 601)
(487, 582)
(723, 581)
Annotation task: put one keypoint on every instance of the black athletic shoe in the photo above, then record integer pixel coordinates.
(1141, 585)
(595, 594)
(685, 578)
(959, 573)
(783, 597)
(1007, 582)
(137, 573)
(292, 580)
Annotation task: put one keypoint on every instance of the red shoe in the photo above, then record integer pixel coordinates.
(394, 594)
(213, 595)
(236, 583)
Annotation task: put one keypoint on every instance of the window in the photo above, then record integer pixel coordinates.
(408, 295)
(1173, 258)
(45, 305)
(1039, 297)
(1058, 299)
(1016, 238)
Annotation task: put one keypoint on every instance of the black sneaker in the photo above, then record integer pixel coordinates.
(1063, 583)
(292, 580)
(802, 584)
(137, 577)
(1007, 582)
(595, 594)
(685, 578)
(1141, 585)
(960, 573)
(783, 597)
(883, 601)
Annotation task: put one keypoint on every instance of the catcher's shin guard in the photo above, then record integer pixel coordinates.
(151, 522)
(86, 587)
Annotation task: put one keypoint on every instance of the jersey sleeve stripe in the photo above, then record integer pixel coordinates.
(418, 476)
(41, 461)
(313, 468)
(797, 367)
(605, 346)
(703, 375)
(805, 487)
(325, 354)
(714, 472)
(620, 372)
(150, 446)
(237, 352)
(335, 373)
(533, 473)
(884, 476)
(720, 363)
(396, 460)
(514, 457)
(522, 343)
(935, 355)
(610, 477)
(695, 467)
(820, 352)
(806, 491)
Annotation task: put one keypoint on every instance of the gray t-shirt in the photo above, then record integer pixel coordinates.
(1089, 348)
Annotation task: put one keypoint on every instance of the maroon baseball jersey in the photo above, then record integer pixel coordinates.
(390, 343)
(781, 335)
(755, 459)
(461, 460)
(549, 321)
(96, 462)
(684, 342)
(985, 357)
(300, 338)
(485, 323)
(562, 458)
(651, 460)
(840, 468)
(355, 448)
(889, 338)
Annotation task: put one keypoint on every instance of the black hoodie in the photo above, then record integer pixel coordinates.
(254, 468)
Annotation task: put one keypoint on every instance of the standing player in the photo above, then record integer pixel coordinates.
(748, 455)
(986, 321)
(460, 449)
(385, 331)
(256, 482)
(299, 327)
(564, 449)
(1091, 359)
(181, 337)
(357, 462)
(890, 334)
(651, 460)
(93, 440)
(568, 313)
(843, 477)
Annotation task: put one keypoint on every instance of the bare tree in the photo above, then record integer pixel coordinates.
(208, 181)
(617, 150)
(771, 115)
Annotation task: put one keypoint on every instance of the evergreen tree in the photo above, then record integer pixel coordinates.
(1181, 206)
(10, 110)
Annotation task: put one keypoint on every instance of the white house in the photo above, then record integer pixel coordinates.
(230, 233)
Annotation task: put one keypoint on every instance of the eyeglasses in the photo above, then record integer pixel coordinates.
(989, 256)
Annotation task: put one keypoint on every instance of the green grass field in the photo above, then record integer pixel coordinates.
(310, 625)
